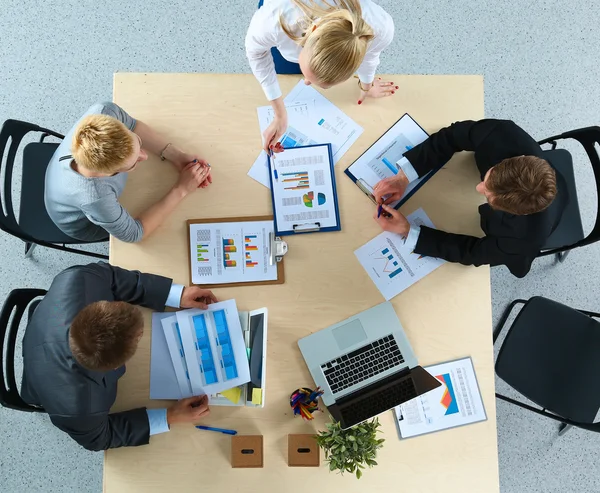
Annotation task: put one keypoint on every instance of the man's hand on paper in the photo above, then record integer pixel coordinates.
(378, 89)
(188, 410)
(394, 222)
(196, 297)
(390, 189)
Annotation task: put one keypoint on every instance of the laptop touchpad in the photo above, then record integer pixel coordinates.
(349, 334)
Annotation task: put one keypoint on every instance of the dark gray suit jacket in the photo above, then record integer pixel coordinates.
(79, 400)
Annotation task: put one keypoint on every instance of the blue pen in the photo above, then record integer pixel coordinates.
(379, 210)
(218, 430)
(195, 161)
(273, 163)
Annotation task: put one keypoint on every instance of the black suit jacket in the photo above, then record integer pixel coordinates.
(79, 400)
(509, 240)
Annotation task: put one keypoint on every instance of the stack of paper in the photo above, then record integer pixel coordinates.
(207, 349)
(312, 119)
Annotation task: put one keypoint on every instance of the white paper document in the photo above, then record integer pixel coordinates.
(175, 345)
(393, 266)
(380, 160)
(229, 252)
(303, 189)
(456, 402)
(312, 119)
(163, 381)
(214, 348)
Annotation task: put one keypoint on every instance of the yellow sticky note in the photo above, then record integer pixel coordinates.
(257, 397)
(233, 394)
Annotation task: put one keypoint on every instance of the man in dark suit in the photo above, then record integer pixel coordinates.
(77, 343)
(525, 196)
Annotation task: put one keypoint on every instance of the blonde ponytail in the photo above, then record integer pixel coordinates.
(336, 36)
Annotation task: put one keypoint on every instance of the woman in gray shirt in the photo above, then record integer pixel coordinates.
(88, 171)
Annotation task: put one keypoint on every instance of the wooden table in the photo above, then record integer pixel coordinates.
(446, 315)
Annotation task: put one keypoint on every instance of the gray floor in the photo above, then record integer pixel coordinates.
(540, 67)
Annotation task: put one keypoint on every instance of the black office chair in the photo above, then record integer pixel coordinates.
(550, 356)
(17, 302)
(34, 226)
(569, 232)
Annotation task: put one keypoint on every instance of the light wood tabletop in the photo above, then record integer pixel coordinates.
(446, 315)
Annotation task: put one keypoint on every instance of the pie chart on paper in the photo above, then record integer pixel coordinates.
(309, 199)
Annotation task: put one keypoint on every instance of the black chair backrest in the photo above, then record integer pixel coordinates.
(17, 302)
(14, 131)
(589, 138)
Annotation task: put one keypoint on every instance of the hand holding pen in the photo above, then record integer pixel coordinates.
(272, 149)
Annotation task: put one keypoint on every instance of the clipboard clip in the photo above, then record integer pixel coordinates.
(306, 228)
(278, 248)
(362, 184)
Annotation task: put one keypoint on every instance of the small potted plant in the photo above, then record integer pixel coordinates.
(352, 449)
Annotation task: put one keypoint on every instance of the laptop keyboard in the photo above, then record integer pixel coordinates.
(364, 363)
(369, 407)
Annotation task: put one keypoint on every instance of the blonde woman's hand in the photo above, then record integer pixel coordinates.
(379, 89)
(274, 132)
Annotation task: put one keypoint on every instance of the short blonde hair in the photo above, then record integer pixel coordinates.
(102, 143)
(337, 38)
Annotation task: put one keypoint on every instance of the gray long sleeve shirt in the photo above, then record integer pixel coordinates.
(88, 209)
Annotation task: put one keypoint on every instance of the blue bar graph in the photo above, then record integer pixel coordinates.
(207, 364)
(385, 251)
(224, 341)
(391, 167)
(395, 273)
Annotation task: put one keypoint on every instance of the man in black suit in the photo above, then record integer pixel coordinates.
(77, 343)
(525, 196)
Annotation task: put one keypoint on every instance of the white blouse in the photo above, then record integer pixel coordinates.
(266, 32)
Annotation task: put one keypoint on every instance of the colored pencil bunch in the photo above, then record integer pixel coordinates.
(304, 402)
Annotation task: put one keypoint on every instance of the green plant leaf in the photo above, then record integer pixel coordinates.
(351, 438)
(358, 473)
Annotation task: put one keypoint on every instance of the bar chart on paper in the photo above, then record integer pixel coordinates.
(391, 264)
(213, 347)
(296, 181)
(231, 252)
(385, 162)
(251, 251)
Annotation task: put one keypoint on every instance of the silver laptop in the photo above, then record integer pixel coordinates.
(365, 365)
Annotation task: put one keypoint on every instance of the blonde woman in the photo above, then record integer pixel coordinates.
(329, 40)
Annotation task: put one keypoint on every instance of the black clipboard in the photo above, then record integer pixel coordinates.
(365, 187)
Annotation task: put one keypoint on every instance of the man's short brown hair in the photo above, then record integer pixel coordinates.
(102, 143)
(105, 334)
(521, 185)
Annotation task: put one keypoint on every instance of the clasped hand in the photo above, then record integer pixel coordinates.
(387, 191)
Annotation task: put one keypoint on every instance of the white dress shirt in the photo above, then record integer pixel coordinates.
(411, 175)
(265, 32)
